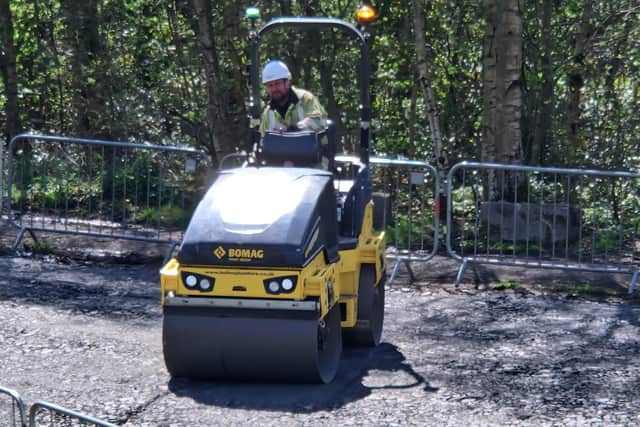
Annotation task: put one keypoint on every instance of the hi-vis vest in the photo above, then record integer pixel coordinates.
(271, 114)
(307, 109)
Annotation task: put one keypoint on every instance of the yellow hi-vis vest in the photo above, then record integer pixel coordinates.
(307, 114)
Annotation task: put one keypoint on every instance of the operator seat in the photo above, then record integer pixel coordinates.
(302, 148)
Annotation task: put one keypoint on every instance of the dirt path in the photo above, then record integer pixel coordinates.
(88, 337)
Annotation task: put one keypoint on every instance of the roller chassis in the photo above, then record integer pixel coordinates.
(332, 303)
(271, 299)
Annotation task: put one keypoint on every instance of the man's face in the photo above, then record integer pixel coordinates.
(279, 90)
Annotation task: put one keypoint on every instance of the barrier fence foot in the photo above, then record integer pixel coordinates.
(412, 277)
(396, 265)
(634, 280)
(19, 238)
(463, 267)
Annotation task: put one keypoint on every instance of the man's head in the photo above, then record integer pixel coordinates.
(277, 79)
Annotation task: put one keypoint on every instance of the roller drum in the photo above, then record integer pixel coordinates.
(202, 343)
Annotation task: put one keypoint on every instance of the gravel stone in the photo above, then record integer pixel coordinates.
(88, 337)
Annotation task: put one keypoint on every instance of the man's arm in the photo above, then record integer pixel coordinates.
(315, 116)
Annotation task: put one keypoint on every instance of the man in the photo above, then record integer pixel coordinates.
(289, 108)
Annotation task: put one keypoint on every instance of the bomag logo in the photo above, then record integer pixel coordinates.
(219, 252)
(246, 253)
(239, 254)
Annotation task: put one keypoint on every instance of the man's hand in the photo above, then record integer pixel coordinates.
(280, 128)
(310, 123)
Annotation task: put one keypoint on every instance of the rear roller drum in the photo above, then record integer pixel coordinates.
(199, 343)
(368, 329)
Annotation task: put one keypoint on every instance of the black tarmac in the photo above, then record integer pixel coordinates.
(88, 337)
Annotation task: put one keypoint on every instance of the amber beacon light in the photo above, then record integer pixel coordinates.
(366, 14)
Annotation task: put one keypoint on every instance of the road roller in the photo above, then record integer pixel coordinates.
(279, 266)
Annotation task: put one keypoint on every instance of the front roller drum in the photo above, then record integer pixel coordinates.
(201, 343)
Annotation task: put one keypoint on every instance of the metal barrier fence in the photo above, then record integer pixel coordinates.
(12, 410)
(537, 217)
(102, 188)
(13, 413)
(48, 414)
(405, 193)
(544, 217)
(3, 179)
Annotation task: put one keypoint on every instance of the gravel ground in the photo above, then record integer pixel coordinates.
(87, 336)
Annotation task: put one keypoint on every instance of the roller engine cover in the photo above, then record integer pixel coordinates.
(263, 217)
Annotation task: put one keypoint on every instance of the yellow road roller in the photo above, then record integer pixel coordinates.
(279, 265)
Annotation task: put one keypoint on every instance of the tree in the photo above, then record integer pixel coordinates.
(576, 75)
(89, 66)
(224, 109)
(502, 77)
(542, 100)
(9, 73)
(424, 65)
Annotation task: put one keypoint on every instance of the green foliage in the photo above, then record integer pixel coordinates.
(415, 232)
(53, 192)
(589, 289)
(41, 248)
(504, 285)
(138, 72)
(168, 216)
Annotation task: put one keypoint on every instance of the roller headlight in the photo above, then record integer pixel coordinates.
(274, 287)
(287, 285)
(195, 281)
(190, 281)
(280, 285)
(205, 284)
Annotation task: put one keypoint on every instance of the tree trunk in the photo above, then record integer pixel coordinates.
(9, 73)
(88, 65)
(576, 78)
(502, 76)
(324, 53)
(424, 62)
(222, 118)
(542, 128)
(413, 106)
(48, 28)
(615, 74)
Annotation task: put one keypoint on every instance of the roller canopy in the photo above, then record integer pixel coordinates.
(263, 217)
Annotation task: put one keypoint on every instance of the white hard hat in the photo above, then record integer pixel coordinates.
(275, 70)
